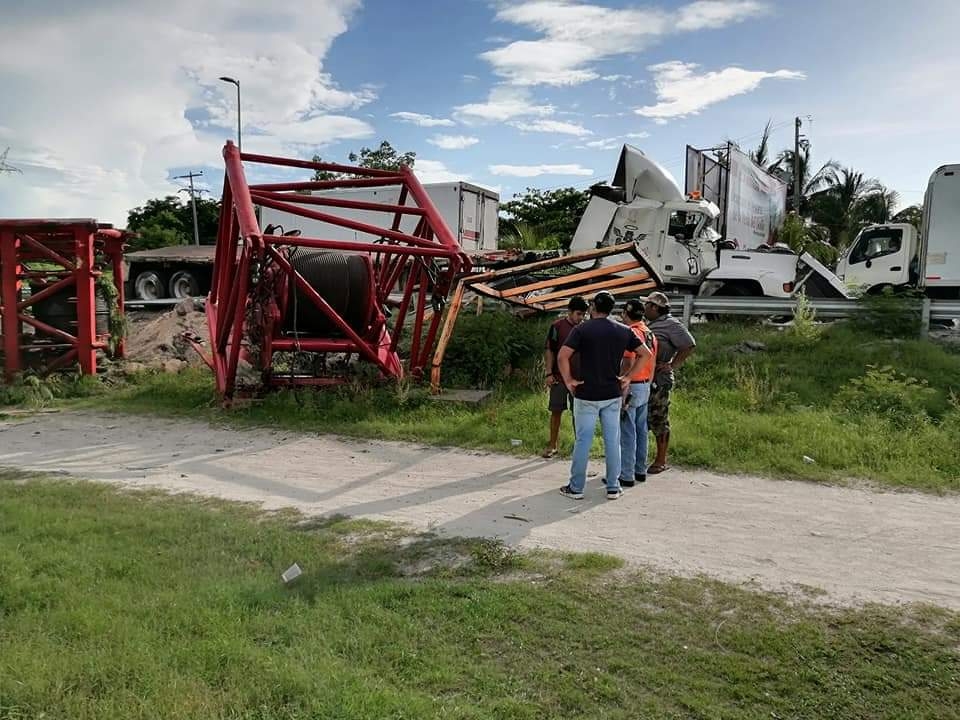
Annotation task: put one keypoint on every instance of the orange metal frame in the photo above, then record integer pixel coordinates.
(559, 289)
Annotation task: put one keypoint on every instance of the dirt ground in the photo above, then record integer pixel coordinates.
(156, 340)
(854, 544)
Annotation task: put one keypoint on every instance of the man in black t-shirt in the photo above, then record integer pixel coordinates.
(599, 390)
(560, 397)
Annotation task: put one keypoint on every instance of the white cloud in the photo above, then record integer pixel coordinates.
(453, 142)
(434, 171)
(638, 135)
(552, 126)
(681, 92)
(615, 78)
(503, 103)
(422, 120)
(149, 99)
(717, 13)
(318, 130)
(574, 35)
(605, 144)
(538, 170)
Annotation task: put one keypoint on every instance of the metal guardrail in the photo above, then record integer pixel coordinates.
(690, 305)
(826, 308)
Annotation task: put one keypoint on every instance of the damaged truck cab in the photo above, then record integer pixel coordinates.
(676, 237)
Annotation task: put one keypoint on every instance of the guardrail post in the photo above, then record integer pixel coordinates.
(925, 318)
(687, 309)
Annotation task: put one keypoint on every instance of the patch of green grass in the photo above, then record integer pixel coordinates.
(142, 605)
(758, 412)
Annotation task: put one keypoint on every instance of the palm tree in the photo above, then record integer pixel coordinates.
(810, 183)
(848, 201)
(878, 206)
(761, 156)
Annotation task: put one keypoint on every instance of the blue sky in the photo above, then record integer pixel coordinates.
(507, 94)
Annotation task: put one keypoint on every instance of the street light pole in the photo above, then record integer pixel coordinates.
(233, 81)
(193, 202)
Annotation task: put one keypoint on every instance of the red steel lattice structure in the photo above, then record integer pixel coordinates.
(256, 280)
(48, 266)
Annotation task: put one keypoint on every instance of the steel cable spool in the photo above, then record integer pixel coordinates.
(344, 281)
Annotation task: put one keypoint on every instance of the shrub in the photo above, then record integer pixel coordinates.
(887, 394)
(486, 348)
(889, 314)
(805, 326)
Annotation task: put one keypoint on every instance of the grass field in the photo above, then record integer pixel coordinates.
(758, 412)
(120, 605)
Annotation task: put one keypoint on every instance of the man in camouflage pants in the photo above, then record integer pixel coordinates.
(674, 345)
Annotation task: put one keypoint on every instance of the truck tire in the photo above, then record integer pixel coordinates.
(149, 285)
(184, 284)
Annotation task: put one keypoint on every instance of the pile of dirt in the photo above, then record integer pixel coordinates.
(158, 342)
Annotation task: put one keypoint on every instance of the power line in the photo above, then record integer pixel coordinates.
(6, 167)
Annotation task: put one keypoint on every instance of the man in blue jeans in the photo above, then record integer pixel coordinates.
(598, 393)
(633, 417)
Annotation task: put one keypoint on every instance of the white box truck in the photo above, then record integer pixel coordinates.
(896, 256)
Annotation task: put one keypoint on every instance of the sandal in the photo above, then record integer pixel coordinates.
(548, 453)
(657, 469)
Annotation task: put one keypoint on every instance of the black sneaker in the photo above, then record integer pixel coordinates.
(640, 477)
(567, 491)
(627, 483)
(614, 494)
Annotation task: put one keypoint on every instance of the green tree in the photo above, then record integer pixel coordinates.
(162, 229)
(384, 157)
(805, 237)
(912, 214)
(810, 182)
(175, 214)
(849, 201)
(552, 214)
(761, 156)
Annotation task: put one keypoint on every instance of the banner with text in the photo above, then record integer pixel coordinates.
(756, 205)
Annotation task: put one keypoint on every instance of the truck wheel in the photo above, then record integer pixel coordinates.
(148, 285)
(183, 284)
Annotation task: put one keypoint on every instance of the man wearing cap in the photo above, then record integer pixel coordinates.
(674, 345)
(560, 398)
(633, 417)
(598, 391)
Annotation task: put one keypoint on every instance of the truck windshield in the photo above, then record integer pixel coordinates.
(876, 243)
(685, 224)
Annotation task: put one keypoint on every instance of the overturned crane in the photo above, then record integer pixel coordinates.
(280, 298)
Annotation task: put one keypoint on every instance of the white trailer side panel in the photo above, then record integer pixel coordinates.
(459, 204)
(941, 229)
(490, 223)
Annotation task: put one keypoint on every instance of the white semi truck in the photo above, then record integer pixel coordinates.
(896, 256)
(185, 271)
(676, 235)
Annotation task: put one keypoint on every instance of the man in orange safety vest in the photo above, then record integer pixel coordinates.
(633, 418)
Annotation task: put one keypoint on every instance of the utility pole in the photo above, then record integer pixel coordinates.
(193, 202)
(796, 166)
